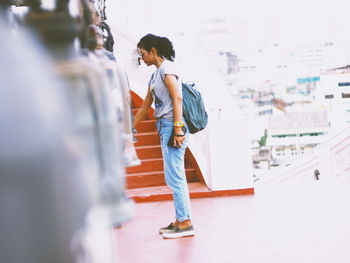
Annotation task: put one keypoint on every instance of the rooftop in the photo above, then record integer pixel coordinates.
(282, 223)
(294, 120)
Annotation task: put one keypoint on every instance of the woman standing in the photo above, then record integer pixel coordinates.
(164, 88)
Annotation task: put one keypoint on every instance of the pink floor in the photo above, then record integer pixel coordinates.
(280, 223)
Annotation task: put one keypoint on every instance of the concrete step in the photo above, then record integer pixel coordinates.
(147, 165)
(147, 138)
(155, 164)
(154, 151)
(147, 126)
(149, 152)
(197, 190)
(154, 178)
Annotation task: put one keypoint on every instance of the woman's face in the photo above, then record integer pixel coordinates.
(146, 56)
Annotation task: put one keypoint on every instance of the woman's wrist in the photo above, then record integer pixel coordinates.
(179, 131)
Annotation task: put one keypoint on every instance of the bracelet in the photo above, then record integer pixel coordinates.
(179, 135)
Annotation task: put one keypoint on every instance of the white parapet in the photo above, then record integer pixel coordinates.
(229, 149)
(331, 158)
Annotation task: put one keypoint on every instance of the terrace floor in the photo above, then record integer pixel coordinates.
(279, 224)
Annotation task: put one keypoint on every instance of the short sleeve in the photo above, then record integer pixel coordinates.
(169, 68)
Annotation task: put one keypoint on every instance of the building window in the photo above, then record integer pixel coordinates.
(348, 116)
(311, 134)
(343, 84)
(330, 96)
(345, 95)
(283, 135)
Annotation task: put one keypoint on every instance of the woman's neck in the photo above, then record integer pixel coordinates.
(158, 61)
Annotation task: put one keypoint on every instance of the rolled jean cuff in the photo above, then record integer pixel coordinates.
(181, 219)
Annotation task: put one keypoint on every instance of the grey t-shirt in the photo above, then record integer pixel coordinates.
(160, 93)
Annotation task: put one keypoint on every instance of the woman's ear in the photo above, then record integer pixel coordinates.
(153, 51)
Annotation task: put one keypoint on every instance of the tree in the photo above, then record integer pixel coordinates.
(262, 141)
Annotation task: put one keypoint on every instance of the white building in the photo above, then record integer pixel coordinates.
(333, 95)
(295, 133)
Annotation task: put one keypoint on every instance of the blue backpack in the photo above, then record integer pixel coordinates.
(193, 108)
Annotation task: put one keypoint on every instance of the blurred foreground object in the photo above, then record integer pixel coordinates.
(48, 193)
(60, 186)
(119, 90)
(90, 102)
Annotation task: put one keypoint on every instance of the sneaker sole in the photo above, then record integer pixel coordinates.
(164, 231)
(177, 235)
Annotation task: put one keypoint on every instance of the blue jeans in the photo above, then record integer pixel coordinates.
(174, 169)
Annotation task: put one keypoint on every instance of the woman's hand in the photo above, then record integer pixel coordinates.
(179, 137)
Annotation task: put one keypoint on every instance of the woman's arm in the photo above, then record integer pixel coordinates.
(172, 85)
(142, 112)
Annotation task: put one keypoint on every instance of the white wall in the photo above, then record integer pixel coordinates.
(230, 153)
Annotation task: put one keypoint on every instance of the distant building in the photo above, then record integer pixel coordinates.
(264, 104)
(295, 133)
(333, 95)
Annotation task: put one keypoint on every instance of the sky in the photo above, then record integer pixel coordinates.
(289, 22)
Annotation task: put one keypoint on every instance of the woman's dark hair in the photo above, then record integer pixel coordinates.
(163, 46)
